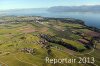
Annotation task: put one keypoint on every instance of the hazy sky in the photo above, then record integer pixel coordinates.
(14, 4)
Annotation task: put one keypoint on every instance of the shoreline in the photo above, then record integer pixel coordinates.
(67, 20)
(79, 22)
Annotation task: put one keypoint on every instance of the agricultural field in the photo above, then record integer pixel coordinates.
(28, 40)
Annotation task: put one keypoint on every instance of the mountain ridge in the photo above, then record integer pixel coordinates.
(84, 8)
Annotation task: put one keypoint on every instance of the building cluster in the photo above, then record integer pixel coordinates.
(28, 50)
(22, 19)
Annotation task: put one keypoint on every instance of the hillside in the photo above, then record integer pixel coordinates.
(84, 8)
(28, 40)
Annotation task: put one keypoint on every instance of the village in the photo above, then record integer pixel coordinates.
(31, 37)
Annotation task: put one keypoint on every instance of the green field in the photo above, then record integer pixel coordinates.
(27, 42)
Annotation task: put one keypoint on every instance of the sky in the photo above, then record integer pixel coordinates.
(19, 4)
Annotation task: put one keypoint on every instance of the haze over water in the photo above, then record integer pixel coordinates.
(90, 19)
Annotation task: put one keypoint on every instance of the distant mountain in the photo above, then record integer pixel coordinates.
(85, 8)
(35, 11)
(23, 11)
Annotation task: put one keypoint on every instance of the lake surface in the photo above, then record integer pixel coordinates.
(90, 19)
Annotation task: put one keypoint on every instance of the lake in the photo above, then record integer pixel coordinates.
(90, 19)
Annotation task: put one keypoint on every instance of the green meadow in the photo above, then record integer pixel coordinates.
(27, 41)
